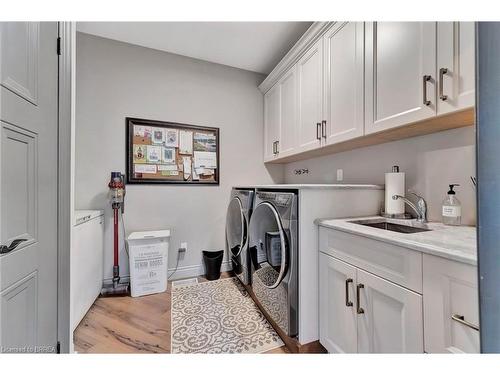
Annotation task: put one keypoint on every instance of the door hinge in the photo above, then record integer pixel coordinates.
(58, 347)
(59, 46)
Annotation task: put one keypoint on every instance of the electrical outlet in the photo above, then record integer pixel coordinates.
(340, 175)
(184, 247)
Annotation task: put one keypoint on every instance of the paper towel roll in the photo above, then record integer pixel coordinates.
(394, 185)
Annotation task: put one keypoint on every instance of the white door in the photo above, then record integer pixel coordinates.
(28, 186)
(272, 113)
(455, 66)
(337, 312)
(310, 73)
(344, 82)
(389, 317)
(400, 81)
(288, 123)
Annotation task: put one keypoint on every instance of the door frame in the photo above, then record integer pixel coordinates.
(65, 167)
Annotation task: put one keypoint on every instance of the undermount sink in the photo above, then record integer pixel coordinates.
(391, 226)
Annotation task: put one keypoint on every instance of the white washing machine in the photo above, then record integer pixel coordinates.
(237, 221)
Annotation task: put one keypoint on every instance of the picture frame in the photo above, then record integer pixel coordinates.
(164, 152)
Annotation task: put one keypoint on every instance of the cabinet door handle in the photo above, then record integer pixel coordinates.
(461, 319)
(426, 79)
(347, 302)
(359, 309)
(323, 128)
(277, 147)
(318, 131)
(442, 72)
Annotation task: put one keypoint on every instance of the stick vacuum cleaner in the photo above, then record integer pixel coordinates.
(117, 198)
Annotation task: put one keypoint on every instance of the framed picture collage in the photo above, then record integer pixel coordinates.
(161, 152)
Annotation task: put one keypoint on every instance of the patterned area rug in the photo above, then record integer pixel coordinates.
(219, 317)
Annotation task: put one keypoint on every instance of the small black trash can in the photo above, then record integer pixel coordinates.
(213, 262)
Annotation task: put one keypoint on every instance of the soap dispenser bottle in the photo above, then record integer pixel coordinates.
(452, 209)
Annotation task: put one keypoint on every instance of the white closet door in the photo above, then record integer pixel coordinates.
(28, 186)
(456, 61)
(391, 321)
(337, 313)
(310, 73)
(344, 82)
(400, 63)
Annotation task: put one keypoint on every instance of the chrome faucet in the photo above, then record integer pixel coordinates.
(420, 209)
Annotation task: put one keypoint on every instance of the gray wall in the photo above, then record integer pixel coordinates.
(430, 162)
(116, 80)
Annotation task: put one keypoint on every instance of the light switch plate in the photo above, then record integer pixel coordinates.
(340, 175)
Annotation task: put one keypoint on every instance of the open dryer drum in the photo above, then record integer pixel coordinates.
(273, 263)
(268, 245)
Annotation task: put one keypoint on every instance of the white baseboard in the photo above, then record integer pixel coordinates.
(182, 272)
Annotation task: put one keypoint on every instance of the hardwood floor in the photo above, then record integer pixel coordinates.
(130, 325)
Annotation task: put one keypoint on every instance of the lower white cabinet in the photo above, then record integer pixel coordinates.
(389, 317)
(451, 316)
(337, 314)
(363, 313)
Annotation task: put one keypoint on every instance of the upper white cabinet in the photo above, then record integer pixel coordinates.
(400, 73)
(451, 316)
(310, 76)
(288, 123)
(344, 82)
(355, 79)
(280, 119)
(455, 64)
(272, 118)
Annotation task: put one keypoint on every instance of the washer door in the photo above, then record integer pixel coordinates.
(236, 228)
(268, 245)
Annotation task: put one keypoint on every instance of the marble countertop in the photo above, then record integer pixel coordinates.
(314, 186)
(452, 242)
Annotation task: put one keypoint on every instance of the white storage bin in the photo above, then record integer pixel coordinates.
(148, 255)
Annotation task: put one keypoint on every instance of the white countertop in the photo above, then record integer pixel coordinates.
(452, 242)
(313, 186)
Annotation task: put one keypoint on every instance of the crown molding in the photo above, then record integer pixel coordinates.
(313, 33)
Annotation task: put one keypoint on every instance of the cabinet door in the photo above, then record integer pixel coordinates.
(288, 123)
(272, 114)
(337, 314)
(391, 320)
(450, 289)
(400, 63)
(344, 81)
(310, 74)
(456, 80)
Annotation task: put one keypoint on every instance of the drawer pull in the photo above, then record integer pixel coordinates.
(347, 302)
(461, 319)
(359, 309)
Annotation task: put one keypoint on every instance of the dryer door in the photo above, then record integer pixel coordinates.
(236, 227)
(268, 245)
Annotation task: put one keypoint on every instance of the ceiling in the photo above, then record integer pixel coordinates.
(254, 46)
